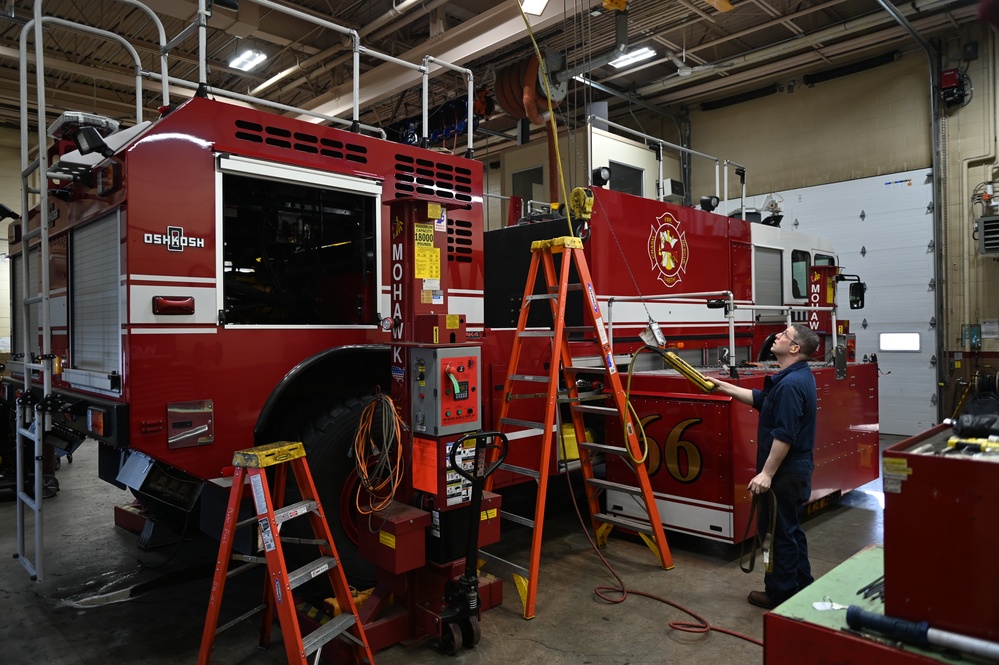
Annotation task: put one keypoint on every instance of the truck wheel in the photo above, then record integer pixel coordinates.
(328, 435)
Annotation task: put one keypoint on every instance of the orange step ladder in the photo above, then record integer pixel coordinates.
(541, 434)
(251, 469)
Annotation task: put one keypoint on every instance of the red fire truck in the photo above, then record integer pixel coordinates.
(224, 277)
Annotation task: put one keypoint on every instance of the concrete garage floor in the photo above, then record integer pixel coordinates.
(62, 621)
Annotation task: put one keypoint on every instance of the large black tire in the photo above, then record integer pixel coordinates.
(328, 430)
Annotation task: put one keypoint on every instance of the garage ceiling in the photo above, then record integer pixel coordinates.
(702, 55)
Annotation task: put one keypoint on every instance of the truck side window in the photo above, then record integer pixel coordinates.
(800, 262)
(297, 254)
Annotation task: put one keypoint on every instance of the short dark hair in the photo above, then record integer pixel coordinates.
(805, 338)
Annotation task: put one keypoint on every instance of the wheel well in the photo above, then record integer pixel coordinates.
(340, 371)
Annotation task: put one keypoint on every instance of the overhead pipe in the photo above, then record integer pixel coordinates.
(932, 60)
(620, 49)
(796, 44)
(808, 57)
(387, 22)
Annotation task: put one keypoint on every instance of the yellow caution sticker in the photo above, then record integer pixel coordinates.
(386, 539)
(488, 515)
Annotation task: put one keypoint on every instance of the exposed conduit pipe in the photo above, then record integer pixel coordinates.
(967, 242)
(797, 44)
(367, 31)
(936, 161)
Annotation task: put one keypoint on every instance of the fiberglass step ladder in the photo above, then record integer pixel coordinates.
(270, 513)
(561, 363)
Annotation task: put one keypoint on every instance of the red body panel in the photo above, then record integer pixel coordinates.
(941, 535)
(702, 451)
(170, 179)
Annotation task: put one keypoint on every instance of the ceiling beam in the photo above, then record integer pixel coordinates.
(487, 33)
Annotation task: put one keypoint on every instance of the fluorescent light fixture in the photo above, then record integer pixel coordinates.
(643, 53)
(247, 60)
(533, 7)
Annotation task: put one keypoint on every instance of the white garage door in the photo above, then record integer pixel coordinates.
(882, 230)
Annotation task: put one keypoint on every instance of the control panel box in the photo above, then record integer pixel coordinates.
(432, 472)
(445, 390)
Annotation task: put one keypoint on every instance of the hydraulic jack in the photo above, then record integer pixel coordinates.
(461, 616)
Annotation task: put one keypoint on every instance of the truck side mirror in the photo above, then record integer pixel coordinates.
(857, 290)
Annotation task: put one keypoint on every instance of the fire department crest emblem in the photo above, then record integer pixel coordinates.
(668, 250)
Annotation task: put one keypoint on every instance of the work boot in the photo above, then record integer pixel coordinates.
(761, 599)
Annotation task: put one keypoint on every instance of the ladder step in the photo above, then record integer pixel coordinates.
(536, 333)
(519, 519)
(309, 571)
(328, 632)
(294, 510)
(603, 410)
(586, 369)
(542, 296)
(33, 233)
(602, 448)
(524, 471)
(34, 300)
(302, 541)
(536, 378)
(530, 424)
(610, 485)
(642, 526)
(571, 286)
(593, 396)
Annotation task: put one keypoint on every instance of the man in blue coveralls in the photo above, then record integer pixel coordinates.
(785, 441)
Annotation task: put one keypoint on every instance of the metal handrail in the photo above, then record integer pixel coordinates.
(591, 119)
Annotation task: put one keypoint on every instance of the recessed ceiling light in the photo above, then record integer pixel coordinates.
(638, 55)
(247, 60)
(534, 7)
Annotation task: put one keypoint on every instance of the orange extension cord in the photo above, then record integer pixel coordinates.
(380, 465)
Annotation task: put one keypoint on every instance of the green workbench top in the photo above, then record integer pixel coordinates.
(840, 585)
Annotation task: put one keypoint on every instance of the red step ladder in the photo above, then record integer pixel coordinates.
(251, 465)
(540, 434)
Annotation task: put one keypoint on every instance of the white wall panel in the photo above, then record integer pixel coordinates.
(881, 229)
